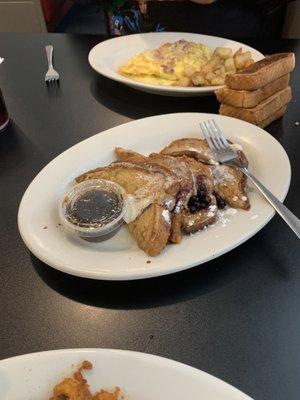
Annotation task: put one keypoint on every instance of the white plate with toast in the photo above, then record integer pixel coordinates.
(106, 57)
(139, 376)
(119, 258)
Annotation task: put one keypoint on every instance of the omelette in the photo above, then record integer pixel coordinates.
(169, 65)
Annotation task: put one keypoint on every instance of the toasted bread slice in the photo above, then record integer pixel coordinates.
(249, 99)
(151, 229)
(202, 173)
(194, 222)
(129, 156)
(230, 184)
(175, 232)
(192, 147)
(175, 167)
(262, 111)
(160, 164)
(135, 179)
(262, 72)
(180, 169)
(186, 189)
(277, 114)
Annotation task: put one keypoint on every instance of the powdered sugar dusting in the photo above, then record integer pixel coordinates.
(231, 211)
(221, 174)
(166, 216)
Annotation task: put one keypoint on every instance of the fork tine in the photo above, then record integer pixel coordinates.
(207, 137)
(216, 136)
(220, 134)
(212, 136)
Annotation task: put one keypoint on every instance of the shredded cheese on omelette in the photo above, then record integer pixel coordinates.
(167, 64)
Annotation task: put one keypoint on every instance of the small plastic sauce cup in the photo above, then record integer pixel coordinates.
(93, 209)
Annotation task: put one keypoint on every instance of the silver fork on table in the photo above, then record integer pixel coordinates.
(224, 153)
(51, 75)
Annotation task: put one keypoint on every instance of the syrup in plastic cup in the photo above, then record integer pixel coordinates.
(93, 209)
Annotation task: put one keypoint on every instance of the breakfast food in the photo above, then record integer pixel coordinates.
(77, 388)
(185, 63)
(251, 98)
(262, 72)
(263, 111)
(176, 191)
(258, 94)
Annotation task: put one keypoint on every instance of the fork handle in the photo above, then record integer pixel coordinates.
(49, 52)
(290, 218)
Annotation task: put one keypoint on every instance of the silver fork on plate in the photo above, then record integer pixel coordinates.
(224, 153)
(51, 75)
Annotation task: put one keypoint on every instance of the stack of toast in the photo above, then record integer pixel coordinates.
(259, 93)
(178, 190)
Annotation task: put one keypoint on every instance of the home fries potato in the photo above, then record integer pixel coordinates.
(184, 63)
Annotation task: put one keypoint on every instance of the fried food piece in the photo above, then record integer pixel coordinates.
(151, 229)
(175, 166)
(241, 59)
(105, 395)
(192, 147)
(186, 189)
(202, 173)
(230, 184)
(154, 184)
(193, 222)
(180, 169)
(203, 180)
(229, 66)
(75, 388)
(139, 180)
(175, 232)
(223, 52)
(129, 155)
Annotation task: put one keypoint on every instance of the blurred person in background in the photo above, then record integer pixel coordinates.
(227, 18)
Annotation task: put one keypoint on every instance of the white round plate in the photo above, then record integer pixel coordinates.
(140, 376)
(119, 258)
(106, 57)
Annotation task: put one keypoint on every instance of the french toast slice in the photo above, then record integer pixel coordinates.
(175, 168)
(151, 229)
(203, 178)
(175, 232)
(233, 192)
(129, 155)
(194, 222)
(202, 173)
(167, 163)
(186, 189)
(178, 168)
(230, 184)
(135, 179)
(192, 147)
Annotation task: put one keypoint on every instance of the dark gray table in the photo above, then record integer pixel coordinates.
(236, 317)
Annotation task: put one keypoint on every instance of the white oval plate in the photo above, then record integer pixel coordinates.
(106, 57)
(140, 376)
(119, 258)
